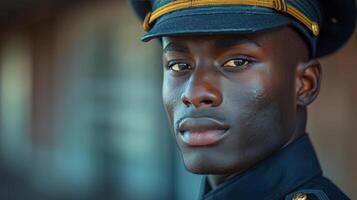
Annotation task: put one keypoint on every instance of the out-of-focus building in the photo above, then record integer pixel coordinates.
(81, 114)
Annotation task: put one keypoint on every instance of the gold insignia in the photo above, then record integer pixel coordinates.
(300, 196)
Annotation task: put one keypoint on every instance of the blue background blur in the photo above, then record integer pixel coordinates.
(81, 115)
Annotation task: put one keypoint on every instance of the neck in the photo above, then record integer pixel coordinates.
(299, 130)
(300, 125)
(215, 180)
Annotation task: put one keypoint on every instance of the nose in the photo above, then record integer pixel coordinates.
(202, 90)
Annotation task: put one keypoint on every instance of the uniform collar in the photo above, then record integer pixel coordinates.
(272, 178)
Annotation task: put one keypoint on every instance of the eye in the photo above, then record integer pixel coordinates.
(237, 63)
(179, 67)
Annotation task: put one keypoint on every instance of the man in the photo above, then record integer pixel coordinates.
(238, 77)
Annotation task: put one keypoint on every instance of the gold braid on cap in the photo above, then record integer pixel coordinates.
(279, 5)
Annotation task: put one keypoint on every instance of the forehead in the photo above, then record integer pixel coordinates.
(283, 38)
(216, 39)
(283, 43)
(212, 43)
(268, 39)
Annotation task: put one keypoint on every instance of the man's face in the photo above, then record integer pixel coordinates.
(231, 99)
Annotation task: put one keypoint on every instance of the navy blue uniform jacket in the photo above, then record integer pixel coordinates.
(291, 172)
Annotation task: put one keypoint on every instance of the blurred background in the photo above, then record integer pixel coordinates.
(81, 115)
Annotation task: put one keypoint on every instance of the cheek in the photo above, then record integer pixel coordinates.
(270, 87)
(262, 104)
(256, 119)
(259, 93)
(167, 95)
(170, 96)
(269, 107)
(252, 91)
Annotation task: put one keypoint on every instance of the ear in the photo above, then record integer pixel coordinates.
(308, 80)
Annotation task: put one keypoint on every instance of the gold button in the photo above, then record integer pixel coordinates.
(300, 196)
(315, 29)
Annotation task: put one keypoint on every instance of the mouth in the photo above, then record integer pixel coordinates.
(202, 131)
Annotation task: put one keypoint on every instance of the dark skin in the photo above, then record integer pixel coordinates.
(254, 88)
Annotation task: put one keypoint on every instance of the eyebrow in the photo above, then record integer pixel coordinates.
(176, 47)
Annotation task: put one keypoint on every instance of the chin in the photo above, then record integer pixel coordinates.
(201, 164)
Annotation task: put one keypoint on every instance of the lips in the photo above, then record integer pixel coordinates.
(201, 131)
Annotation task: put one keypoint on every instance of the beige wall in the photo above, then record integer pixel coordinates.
(333, 118)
